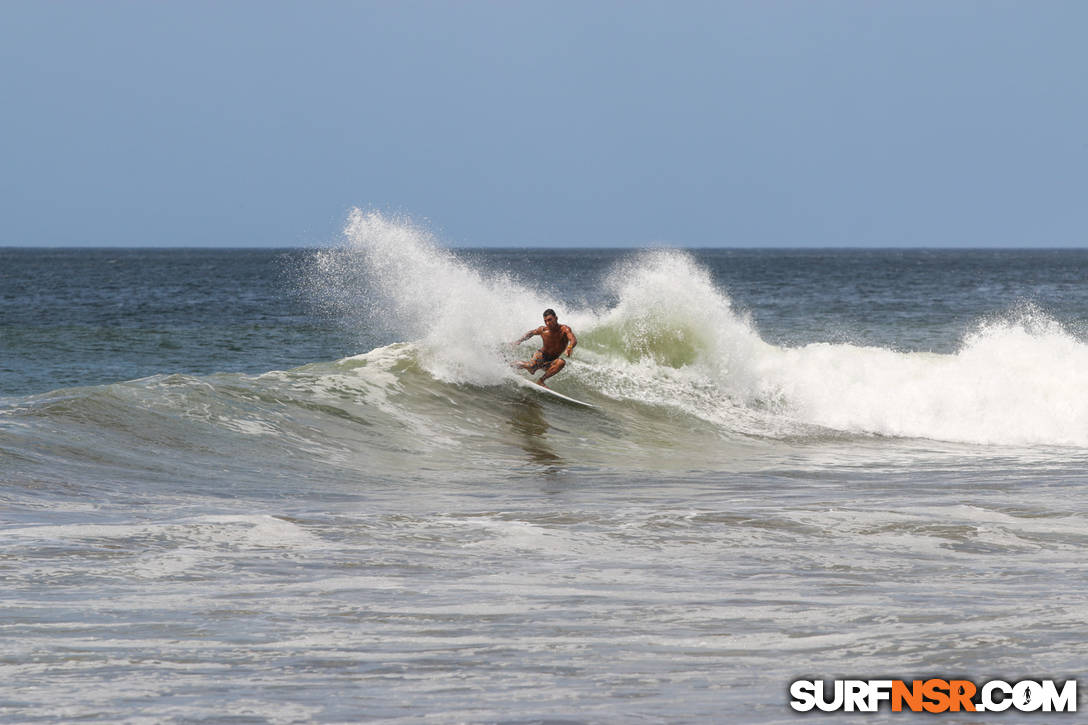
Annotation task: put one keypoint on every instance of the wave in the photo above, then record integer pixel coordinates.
(671, 338)
(681, 380)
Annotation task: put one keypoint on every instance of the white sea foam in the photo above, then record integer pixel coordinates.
(673, 339)
(1020, 380)
(204, 531)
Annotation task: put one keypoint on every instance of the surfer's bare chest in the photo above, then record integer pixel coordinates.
(553, 341)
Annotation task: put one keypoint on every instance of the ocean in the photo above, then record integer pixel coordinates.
(291, 486)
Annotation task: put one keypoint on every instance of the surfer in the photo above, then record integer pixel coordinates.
(554, 338)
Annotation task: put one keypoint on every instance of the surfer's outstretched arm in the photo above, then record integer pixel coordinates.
(571, 340)
(527, 335)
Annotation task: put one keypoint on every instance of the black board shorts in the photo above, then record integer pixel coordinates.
(541, 358)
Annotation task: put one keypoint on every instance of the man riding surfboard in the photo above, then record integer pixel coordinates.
(554, 338)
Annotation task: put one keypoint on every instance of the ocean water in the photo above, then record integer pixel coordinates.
(301, 486)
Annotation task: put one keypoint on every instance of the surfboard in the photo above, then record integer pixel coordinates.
(525, 382)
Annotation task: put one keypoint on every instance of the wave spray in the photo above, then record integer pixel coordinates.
(669, 337)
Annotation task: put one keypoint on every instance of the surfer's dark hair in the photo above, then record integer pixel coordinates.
(551, 312)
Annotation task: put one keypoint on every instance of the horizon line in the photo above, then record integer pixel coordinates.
(555, 247)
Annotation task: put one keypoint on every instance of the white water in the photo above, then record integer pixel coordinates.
(672, 338)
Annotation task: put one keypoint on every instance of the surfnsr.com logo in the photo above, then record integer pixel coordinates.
(933, 695)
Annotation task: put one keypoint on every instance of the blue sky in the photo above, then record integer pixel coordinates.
(806, 123)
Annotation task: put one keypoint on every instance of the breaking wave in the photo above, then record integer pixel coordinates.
(673, 339)
(680, 379)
